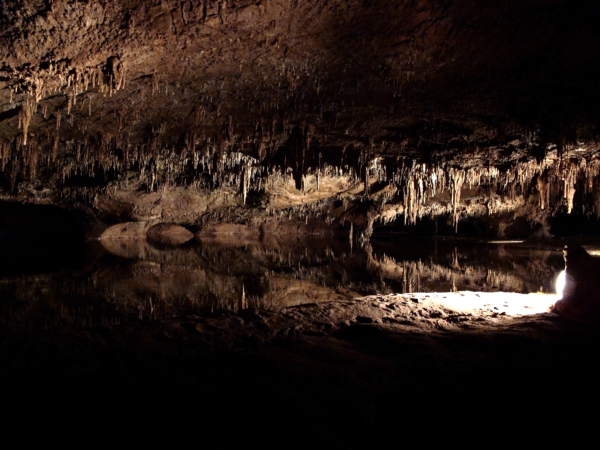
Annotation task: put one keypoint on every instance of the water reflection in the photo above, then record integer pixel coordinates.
(442, 266)
(123, 281)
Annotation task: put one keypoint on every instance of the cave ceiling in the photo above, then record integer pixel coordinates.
(238, 108)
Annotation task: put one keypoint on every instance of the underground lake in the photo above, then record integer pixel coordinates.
(252, 335)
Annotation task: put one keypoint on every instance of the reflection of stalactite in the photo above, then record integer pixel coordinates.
(418, 276)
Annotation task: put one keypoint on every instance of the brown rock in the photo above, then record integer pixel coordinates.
(167, 234)
(581, 295)
(127, 230)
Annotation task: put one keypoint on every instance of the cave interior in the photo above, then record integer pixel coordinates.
(302, 169)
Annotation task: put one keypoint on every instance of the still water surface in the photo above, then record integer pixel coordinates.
(126, 281)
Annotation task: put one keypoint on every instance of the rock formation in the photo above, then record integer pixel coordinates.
(581, 295)
(202, 112)
(166, 234)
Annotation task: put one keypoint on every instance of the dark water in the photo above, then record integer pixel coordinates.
(125, 281)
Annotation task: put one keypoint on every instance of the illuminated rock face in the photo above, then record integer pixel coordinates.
(199, 111)
(157, 233)
(581, 294)
(166, 234)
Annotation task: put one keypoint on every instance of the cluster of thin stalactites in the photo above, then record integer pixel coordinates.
(412, 188)
(416, 189)
(107, 78)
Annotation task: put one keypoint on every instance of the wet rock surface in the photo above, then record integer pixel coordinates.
(128, 230)
(168, 234)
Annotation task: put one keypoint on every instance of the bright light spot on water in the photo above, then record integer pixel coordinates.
(560, 283)
(497, 302)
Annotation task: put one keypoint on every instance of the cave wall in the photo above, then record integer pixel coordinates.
(247, 112)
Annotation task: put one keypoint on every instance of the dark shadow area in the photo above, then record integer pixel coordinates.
(471, 227)
(367, 385)
(575, 225)
(39, 238)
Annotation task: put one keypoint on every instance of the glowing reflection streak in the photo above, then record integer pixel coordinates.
(560, 283)
(511, 304)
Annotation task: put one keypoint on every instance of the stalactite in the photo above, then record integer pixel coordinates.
(410, 209)
(115, 72)
(155, 81)
(570, 172)
(70, 103)
(5, 153)
(26, 115)
(457, 178)
(544, 191)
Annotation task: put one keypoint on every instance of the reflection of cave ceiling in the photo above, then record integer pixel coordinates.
(182, 109)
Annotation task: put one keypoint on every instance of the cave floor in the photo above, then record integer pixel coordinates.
(377, 370)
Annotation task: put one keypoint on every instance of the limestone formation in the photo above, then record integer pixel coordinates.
(581, 295)
(286, 108)
(168, 234)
